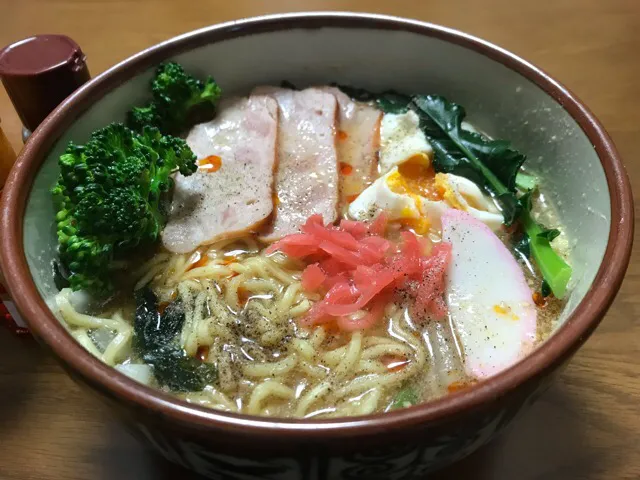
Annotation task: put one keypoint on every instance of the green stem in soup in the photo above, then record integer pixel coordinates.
(555, 271)
(526, 182)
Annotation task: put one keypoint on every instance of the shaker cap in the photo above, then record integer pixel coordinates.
(39, 72)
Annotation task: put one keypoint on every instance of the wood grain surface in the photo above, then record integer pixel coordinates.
(586, 427)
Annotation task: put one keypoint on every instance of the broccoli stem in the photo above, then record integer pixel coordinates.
(554, 269)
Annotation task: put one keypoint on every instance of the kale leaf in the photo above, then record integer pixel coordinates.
(388, 101)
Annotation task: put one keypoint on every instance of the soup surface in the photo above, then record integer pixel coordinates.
(334, 253)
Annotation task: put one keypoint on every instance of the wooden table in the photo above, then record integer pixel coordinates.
(586, 427)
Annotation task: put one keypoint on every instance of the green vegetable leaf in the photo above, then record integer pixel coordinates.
(60, 275)
(358, 94)
(173, 368)
(523, 247)
(493, 164)
(152, 330)
(405, 398)
(545, 289)
(155, 341)
(393, 102)
(526, 182)
(550, 234)
(388, 101)
(555, 271)
(288, 84)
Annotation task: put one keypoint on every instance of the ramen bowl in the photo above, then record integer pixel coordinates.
(504, 95)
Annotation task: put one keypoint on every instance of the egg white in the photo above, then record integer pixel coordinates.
(402, 139)
(379, 197)
(466, 195)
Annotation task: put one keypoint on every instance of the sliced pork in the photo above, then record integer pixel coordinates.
(307, 174)
(232, 192)
(358, 142)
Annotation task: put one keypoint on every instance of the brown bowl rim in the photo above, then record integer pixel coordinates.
(557, 349)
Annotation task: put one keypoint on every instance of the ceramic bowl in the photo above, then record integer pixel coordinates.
(504, 96)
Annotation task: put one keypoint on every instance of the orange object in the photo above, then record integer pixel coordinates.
(211, 164)
(457, 386)
(200, 261)
(500, 309)
(416, 178)
(202, 353)
(7, 158)
(8, 313)
(228, 260)
(162, 307)
(345, 168)
(243, 296)
(539, 300)
(342, 135)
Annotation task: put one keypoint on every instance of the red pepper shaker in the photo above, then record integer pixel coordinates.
(38, 73)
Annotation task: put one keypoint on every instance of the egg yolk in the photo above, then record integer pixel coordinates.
(415, 178)
(446, 192)
(419, 225)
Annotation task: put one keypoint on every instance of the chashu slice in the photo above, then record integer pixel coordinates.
(358, 144)
(231, 193)
(307, 174)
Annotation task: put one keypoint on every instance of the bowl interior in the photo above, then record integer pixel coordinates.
(498, 100)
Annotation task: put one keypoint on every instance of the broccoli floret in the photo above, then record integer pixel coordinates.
(138, 117)
(178, 99)
(109, 193)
